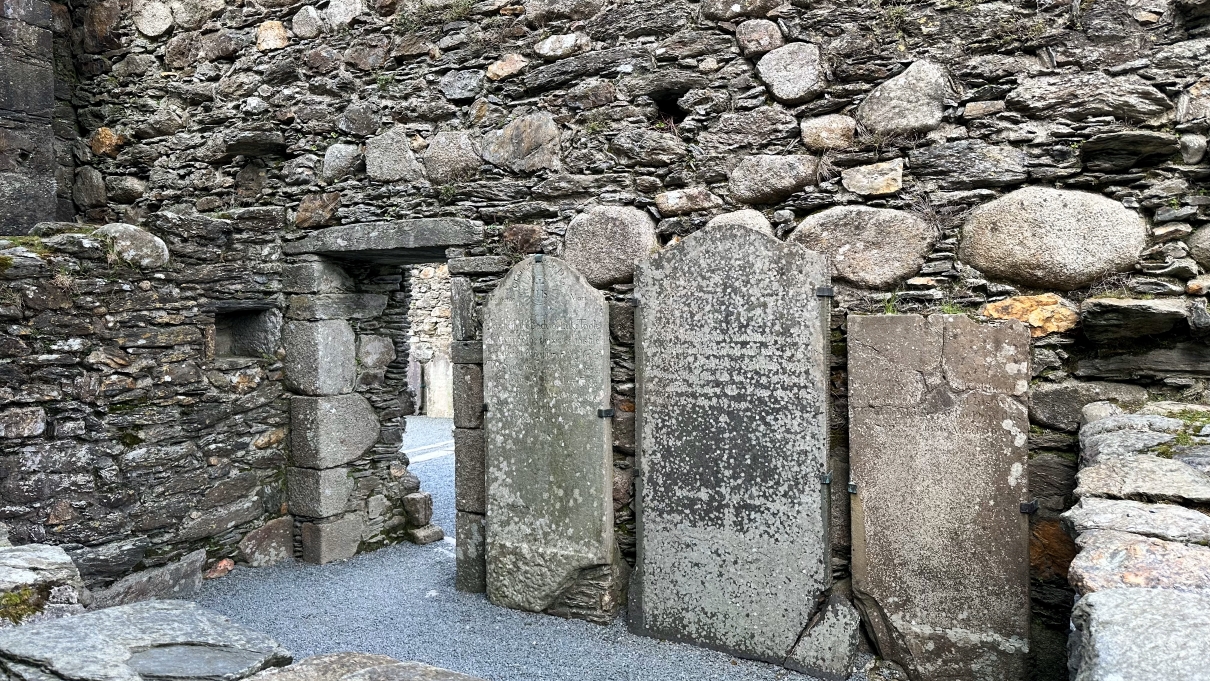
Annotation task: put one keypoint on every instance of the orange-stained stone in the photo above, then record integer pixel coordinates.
(1051, 550)
(1047, 313)
(506, 66)
(105, 142)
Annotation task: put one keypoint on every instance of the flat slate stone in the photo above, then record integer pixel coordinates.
(1144, 477)
(1140, 634)
(402, 242)
(733, 549)
(938, 451)
(156, 639)
(1111, 560)
(1162, 521)
(549, 452)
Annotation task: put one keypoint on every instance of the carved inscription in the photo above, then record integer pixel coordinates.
(732, 406)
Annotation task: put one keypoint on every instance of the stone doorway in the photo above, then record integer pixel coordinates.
(430, 370)
(348, 342)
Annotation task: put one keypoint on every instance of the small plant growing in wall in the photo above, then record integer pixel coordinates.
(446, 194)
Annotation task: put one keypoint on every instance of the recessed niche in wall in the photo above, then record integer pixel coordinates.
(247, 333)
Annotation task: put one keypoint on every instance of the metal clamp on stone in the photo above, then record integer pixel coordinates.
(825, 292)
(852, 488)
(485, 408)
(1030, 508)
(605, 413)
(825, 478)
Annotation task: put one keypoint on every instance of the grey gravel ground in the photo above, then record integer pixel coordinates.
(400, 601)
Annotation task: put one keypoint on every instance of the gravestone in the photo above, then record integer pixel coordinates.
(732, 366)
(938, 453)
(550, 540)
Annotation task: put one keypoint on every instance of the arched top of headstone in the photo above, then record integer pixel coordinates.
(547, 269)
(735, 249)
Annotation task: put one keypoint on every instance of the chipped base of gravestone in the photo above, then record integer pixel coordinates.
(1121, 634)
(157, 639)
(732, 521)
(175, 580)
(938, 436)
(595, 594)
(549, 460)
(828, 646)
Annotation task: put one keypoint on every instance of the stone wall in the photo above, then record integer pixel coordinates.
(429, 339)
(1047, 158)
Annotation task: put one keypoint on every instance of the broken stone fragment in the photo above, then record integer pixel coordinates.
(1052, 238)
(461, 85)
(135, 245)
(878, 179)
(341, 160)
(307, 22)
(37, 583)
(152, 19)
(681, 201)
(869, 247)
(606, 243)
(1043, 314)
(911, 103)
(1160, 521)
(793, 73)
(767, 179)
(828, 646)
(269, 544)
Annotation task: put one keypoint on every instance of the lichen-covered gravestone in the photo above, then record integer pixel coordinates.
(733, 549)
(550, 541)
(938, 453)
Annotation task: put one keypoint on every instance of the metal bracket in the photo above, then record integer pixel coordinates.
(605, 413)
(825, 478)
(825, 292)
(852, 488)
(634, 301)
(538, 257)
(485, 408)
(1030, 508)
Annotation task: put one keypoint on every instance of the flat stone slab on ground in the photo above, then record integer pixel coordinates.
(938, 452)
(37, 582)
(549, 463)
(156, 639)
(1140, 634)
(733, 543)
(359, 667)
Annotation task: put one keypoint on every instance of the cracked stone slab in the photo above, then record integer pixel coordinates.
(154, 639)
(733, 540)
(938, 453)
(549, 455)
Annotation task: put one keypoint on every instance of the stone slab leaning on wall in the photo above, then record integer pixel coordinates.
(733, 548)
(938, 433)
(549, 466)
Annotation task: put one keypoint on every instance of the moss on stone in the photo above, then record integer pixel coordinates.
(16, 606)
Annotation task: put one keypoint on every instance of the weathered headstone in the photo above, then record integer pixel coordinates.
(733, 549)
(938, 454)
(550, 541)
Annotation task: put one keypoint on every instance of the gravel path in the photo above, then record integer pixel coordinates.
(400, 601)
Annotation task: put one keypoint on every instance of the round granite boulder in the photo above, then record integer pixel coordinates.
(794, 73)
(908, 104)
(751, 219)
(135, 245)
(1052, 238)
(607, 242)
(873, 248)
